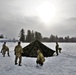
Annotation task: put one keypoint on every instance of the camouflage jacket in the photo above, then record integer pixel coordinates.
(18, 50)
(40, 57)
(5, 48)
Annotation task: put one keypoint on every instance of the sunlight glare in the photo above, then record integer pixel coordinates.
(46, 12)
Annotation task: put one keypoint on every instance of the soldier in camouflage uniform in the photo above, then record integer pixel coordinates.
(57, 48)
(40, 58)
(18, 51)
(4, 50)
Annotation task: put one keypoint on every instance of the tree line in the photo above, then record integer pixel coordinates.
(31, 36)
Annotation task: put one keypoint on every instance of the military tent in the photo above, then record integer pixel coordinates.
(31, 49)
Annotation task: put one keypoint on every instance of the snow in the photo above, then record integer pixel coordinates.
(64, 64)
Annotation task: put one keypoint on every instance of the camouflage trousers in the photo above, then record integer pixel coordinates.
(39, 62)
(4, 52)
(16, 59)
(57, 52)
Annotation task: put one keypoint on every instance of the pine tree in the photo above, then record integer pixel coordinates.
(29, 36)
(1, 36)
(38, 36)
(32, 34)
(22, 35)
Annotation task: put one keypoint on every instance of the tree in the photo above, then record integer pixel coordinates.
(52, 38)
(32, 34)
(38, 36)
(1, 36)
(22, 35)
(29, 36)
(67, 39)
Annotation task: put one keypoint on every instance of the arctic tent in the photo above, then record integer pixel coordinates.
(31, 49)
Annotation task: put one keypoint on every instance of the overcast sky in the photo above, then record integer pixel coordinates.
(30, 14)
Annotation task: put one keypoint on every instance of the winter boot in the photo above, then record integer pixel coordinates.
(15, 63)
(19, 65)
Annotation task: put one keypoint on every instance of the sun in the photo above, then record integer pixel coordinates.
(46, 12)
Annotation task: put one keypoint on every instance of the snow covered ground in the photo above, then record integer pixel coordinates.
(64, 64)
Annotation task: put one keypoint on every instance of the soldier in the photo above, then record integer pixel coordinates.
(57, 48)
(4, 50)
(40, 58)
(18, 51)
